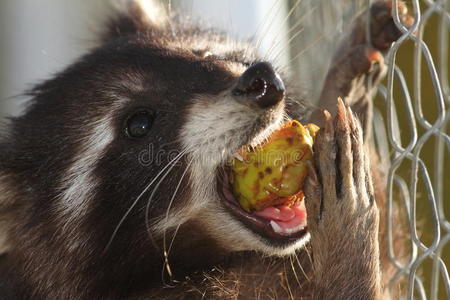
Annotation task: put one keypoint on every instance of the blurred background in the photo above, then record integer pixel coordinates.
(41, 37)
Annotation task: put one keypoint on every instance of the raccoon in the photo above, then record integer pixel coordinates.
(113, 185)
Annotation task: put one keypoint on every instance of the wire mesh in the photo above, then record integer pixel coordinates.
(417, 122)
(412, 112)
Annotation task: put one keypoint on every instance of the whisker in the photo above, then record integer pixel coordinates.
(291, 11)
(271, 20)
(314, 43)
(258, 29)
(294, 271)
(260, 289)
(137, 200)
(287, 44)
(301, 19)
(299, 22)
(166, 253)
(300, 265)
(322, 35)
(166, 265)
(147, 207)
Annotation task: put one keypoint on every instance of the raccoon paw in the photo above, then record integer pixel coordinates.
(343, 217)
(368, 51)
(342, 213)
(383, 30)
(358, 65)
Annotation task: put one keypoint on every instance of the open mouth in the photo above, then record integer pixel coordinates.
(262, 186)
(285, 223)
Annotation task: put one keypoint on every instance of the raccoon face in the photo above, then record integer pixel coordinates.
(215, 129)
(130, 142)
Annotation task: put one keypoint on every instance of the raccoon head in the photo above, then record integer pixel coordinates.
(124, 148)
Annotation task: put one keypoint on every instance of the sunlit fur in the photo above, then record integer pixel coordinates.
(83, 217)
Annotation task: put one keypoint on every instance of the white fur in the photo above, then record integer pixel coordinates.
(214, 130)
(152, 12)
(79, 183)
(156, 14)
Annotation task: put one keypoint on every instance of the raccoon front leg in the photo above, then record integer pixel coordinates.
(343, 217)
(358, 65)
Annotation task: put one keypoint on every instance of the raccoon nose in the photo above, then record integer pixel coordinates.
(261, 84)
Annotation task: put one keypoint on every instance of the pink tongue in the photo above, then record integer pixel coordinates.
(290, 214)
(285, 220)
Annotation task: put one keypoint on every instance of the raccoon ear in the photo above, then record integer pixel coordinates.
(135, 16)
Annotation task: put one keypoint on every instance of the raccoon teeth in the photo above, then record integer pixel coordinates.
(277, 228)
(285, 231)
(238, 156)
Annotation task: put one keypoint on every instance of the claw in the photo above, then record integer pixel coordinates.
(341, 117)
(364, 58)
(329, 131)
(326, 115)
(373, 55)
(341, 114)
(351, 119)
(345, 186)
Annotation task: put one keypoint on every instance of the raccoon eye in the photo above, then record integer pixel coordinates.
(139, 124)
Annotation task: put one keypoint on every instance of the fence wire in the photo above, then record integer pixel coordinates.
(414, 138)
(410, 132)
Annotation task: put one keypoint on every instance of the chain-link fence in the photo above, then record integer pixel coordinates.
(412, 112)
(412, 134)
